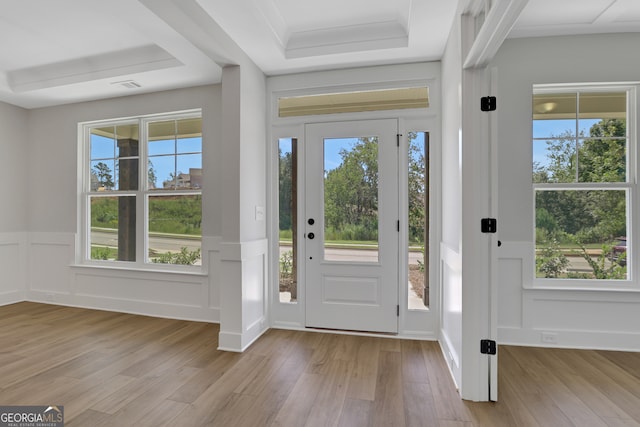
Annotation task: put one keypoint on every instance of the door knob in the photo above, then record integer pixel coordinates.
(311, 236)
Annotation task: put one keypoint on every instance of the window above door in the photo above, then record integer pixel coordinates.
(354, 102)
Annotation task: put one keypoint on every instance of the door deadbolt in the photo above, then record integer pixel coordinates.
(311, 221)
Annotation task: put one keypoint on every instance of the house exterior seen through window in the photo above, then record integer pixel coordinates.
(582, 182)
(142, 190)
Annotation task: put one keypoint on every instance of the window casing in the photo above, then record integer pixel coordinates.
(142, 192)
(584, 185)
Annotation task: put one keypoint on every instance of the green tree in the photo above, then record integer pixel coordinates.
(593, 216)
(351, 192)
(417, 188)
(104, 174)
(602, 156)
(561, 160)
(151, 175)
(285, 165)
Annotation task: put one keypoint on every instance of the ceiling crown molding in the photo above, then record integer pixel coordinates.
(115, 64)
(353, 38)
(276, 22)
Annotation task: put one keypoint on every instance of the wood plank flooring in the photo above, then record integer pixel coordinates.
(114, 369)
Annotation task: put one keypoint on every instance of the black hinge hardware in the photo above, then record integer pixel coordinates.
(488, 103)
(488, 347)
(398, 310)
(398, 226)
(398, 135)
(488, 225)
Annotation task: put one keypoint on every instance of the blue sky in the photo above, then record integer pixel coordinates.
(547, 129)
(333, 147)
(166, 156)
(331, 150)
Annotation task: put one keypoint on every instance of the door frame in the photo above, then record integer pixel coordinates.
(413, 324)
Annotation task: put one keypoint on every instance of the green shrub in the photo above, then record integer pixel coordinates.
(550, 261)
(184, 257)
(100, 253)
(286, 262)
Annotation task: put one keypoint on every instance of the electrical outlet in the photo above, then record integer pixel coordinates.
(549, 338)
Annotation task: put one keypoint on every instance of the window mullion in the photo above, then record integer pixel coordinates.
(141, 201)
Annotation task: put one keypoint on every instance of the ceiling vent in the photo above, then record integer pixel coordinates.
(129, 84)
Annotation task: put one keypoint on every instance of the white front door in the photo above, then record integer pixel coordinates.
(351, 225)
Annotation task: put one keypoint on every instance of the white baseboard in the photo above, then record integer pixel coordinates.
(588, 340)
(236, 342)
(143, 308)
(12, 297)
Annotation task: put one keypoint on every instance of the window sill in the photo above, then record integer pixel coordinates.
(131, 269)
(622, 286)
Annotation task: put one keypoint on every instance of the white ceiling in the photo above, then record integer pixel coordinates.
(55, 52)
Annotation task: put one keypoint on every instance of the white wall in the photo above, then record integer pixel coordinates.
(579, 318)
(450, 250)
(14, 176)
(51, 196)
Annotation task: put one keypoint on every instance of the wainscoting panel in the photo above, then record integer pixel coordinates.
(572, 318)
(13, 265)
(243, 293)
(451, 318)
(53, 277)
(50, 258)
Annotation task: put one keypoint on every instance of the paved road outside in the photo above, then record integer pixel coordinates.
(167, 243)
(357, 255)
(164, 243)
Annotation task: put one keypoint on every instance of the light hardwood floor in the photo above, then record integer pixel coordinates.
(113, 369)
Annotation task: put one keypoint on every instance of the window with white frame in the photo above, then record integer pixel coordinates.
(583, 183)
(142, 190)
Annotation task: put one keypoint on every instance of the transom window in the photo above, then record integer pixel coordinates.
(142, 190)
(582, 184)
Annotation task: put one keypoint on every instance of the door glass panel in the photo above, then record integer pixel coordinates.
(418, 221)
(351, 199)
(287, 219)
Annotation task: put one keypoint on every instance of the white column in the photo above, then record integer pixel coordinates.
(243, 258)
